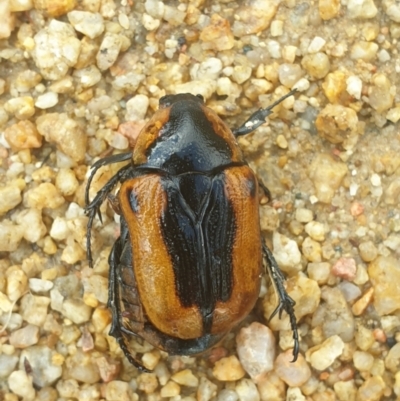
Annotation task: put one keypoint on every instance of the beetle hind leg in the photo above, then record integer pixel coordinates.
(286, 303)
(117, 329)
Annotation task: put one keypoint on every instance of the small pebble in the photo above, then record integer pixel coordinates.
(286, 252)
(23, 135)
(40, 358)
(247, 390)
(171, 389)
(322, 356)
(56, 49)
(294, 374)
(218, 35)
(206, 390)
(372, 389)
(345, 268)
(118, 390)
(359, 307)
(315, 230)
(47, 100)
(109, 51)
(147, 382)
(21, 384)
(255, 346)
(185, 378)
(311, 250)
(34, 309)
(384, 273)
(90, 24)
(317, 65)
(328, 9)
(228, 369)
(25, 337)
(363, 9)
(363, 361)
(326, 175)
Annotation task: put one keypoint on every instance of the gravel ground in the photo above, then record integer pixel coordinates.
(77, 82)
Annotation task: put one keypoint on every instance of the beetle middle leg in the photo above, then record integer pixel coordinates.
(286, 303)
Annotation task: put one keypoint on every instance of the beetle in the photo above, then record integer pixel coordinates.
(188, 263)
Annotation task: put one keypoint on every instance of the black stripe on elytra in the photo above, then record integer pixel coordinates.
(200, 244)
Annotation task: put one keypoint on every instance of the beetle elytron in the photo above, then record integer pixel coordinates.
(188, 263)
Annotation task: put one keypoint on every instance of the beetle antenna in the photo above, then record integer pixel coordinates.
(258, 118)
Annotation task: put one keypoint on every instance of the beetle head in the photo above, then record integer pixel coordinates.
(168, 100)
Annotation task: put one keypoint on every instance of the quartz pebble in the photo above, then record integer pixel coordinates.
(247, 390)
(218, 35)
(118, 390)
(10, 196)
(334, 315)
(335, 123)
(57, 49)
(90, 24)
(109, 50)
(322, 356)
(253, 16)
(384, 273)
(42, 359)
(228, 369)
(185, 378)
(7, 365)
(287, 253)
(372, 389)
(317, 65)
(306, 293)
(206, 390)
(171, 389)
(294, 374)
(23, 135)
(328, 9)
(345, 268)
(21, 384)
(256, 350)
(363, 9)
(65, 132)
(327, 175)
(25, 337)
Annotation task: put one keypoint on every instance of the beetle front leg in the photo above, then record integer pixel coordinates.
(286, 303)
(258, 118)
(93, 207)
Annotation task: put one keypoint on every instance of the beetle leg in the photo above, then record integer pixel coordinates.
(266, 192)
(258, 118)
(285, 302)
(117, 329)
(94, 207)
(103, 162)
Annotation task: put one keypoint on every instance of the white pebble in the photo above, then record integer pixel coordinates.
(47, 100)
(136, 108)
(322, 356)
(376, 180)
(39, 285)
(90, 24)
(354, 86)
(21, 384)
(274, 48)
(316, 44)
(276, 28)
